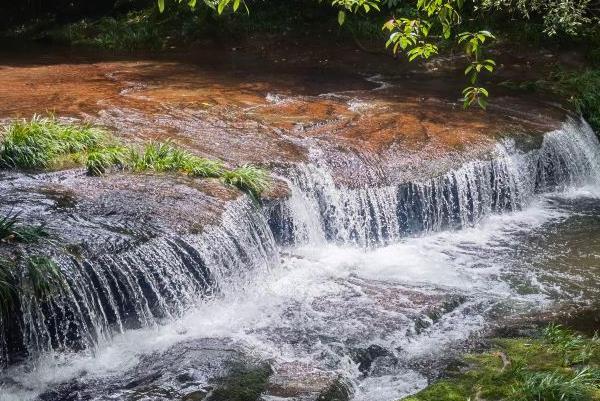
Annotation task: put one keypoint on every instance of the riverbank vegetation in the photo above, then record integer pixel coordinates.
(21, 271)
(557, 365)
(47, 143)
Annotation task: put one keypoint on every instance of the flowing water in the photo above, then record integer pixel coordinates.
(403, 274)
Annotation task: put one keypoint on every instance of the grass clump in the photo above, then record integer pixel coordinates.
(247, 178)
(44, 142)
(165, 157)
(12, 231)
(558, 366)
(557, 386)
(22, 272)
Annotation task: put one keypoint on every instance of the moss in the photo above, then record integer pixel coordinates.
(243, 384)
(548, 368)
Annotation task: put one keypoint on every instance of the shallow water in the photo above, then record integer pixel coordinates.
(323, 302)
(376, 250)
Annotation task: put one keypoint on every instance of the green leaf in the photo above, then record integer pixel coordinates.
(482, 103)
(161, 5)
(222, 5)
(341, 17)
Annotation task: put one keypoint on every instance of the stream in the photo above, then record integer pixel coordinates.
(366, 282)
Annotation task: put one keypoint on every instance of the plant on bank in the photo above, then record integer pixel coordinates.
(46, 143)
(559, 365)
(24, 273)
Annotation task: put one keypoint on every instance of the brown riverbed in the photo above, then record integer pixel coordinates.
(245, 107)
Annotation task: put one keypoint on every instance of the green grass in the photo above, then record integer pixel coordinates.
(578, 385)
(558, 366)
(247, 178)
(12, 231)
(42, 276)
(37, 274)
(7, 288)
(46, 143)
(166, 157)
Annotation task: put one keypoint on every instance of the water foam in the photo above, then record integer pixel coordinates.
(419, 290)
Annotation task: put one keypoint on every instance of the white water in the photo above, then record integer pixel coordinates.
(335, 291)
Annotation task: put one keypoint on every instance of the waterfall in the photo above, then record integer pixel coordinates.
(164, 277)
(320, 211)
(145, 286)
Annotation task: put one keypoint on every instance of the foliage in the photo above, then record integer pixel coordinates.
(568, 16)
(44, 142)
(38, 275)
(526, 369)
(248, 178)
(47, 143)
(42, 276)
(11, 231)
(137, 30)
(580, 88)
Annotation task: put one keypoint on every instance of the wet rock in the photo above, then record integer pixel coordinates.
(140, 381)
(365, 357)
(297, 381)
(205, 369)
(199, 395)
(243, 382)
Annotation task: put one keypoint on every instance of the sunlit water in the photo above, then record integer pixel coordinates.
(414, 295)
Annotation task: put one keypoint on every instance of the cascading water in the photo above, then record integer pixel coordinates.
(319, 211)
(145, 286)
(397, 273)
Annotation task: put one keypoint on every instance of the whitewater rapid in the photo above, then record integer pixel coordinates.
(347, 269)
